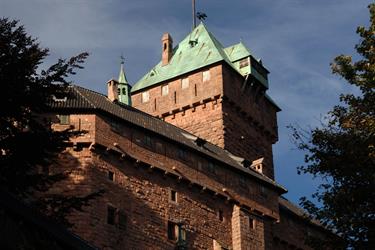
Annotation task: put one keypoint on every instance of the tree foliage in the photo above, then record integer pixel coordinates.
(25, 141)
(342, 152)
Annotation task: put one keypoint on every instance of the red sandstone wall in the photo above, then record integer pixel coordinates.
(197, 108)
(141, 194)
(250, 126)
(236, 122)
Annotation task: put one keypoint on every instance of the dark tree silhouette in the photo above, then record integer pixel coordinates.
(27, 143)
(342, 152)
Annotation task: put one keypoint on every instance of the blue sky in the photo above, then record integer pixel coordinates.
(296, 40)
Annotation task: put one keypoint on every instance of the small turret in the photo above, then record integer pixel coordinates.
(123, 86)
(167, 43)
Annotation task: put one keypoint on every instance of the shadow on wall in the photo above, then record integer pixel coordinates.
(143, 196)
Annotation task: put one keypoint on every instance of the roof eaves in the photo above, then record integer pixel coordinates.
(118, 110)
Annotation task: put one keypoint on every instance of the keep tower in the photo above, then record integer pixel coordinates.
(217, 93)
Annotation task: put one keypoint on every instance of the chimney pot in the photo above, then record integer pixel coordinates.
(167, 44)
(112, 90)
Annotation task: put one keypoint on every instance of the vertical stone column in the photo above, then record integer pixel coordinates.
(236, 228)
(247, 231)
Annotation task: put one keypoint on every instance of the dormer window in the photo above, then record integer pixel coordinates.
(244, 62)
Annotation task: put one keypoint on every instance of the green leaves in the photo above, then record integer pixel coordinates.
(343, 152)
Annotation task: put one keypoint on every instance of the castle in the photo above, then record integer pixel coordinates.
(184, 155)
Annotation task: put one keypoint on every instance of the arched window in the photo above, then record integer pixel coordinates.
(123, 91)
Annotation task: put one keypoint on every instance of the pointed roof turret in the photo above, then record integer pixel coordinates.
(123, 86)
(122, 77)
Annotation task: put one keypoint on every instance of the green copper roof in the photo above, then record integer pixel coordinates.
(207, 50)
(124, 87)
(122, 78)
(197, 50)
(237, 52)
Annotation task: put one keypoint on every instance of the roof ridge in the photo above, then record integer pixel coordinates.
(76, 87)
(162, 128)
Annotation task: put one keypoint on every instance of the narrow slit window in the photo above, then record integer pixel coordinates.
(175, 97)
(220, 215)
(195, 90)
(173, 196)
(251, 223)
(111, 175)
(111, 214)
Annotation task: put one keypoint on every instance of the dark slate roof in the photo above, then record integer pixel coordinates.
(79, 98)
(290, 207)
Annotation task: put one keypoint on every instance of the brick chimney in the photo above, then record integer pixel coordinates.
(167, 44)
(112, 90)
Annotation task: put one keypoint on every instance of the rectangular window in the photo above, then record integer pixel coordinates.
(111, 214)
(244, 62)
(64, 119)
(176, 232)
(145, 96)
(251, 223)
(172, 230)
(173, 196)
(111, 175)
(164, 90)
(220, 215)
(185, 83)
(206, 75)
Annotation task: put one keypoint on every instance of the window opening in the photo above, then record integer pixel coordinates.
(64, 119)
(164, 90)
(145, 96)
(220, 215)
(111, 212)
(173, 196)
(185, 83)
(206, 75)
(251, 223)
(110, 175)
